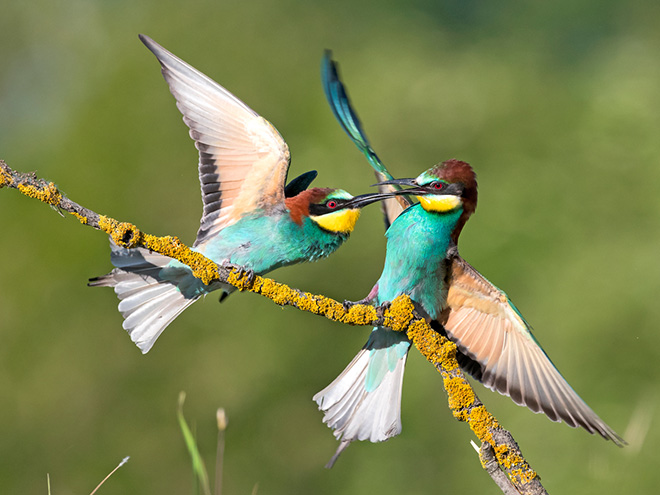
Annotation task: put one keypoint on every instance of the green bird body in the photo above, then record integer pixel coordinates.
(495, 343)
(250, 218)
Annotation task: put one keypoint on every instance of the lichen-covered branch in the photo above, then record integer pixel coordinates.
(489, 462)
(400, 316)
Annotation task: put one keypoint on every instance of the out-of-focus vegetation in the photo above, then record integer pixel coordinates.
(557, 106)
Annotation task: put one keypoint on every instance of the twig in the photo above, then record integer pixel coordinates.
(489, 462)
(123, 461)
(221, 418)
(400, 316)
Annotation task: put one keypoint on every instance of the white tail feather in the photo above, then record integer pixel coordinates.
(353, 412)
(147, 302)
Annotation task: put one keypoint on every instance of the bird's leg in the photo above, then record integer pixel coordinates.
(248, 273)
(367, 300)
(382, 308)
(241, 271)
(349, 304)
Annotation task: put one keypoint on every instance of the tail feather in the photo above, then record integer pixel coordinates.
(358, 410)
(340, 104)
(147, 302)
(138, 296)
(147, 323)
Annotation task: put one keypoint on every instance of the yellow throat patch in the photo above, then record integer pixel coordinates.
(341, 222)
(439, 203)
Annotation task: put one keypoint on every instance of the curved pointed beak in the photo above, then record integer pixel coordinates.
(402, 182)
(397, 182)
(366, 199)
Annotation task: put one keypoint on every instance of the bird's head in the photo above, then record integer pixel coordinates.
(444, 188)
(334, 210)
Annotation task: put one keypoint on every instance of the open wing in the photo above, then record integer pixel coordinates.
(243, 160)
(340, 104)
(488, 328)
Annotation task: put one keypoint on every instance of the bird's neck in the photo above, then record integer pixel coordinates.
(418, 243)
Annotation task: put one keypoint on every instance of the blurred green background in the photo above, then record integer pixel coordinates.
(556, 105)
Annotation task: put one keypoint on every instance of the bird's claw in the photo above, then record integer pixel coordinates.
(349, 304)
(380, 310)
(241, 271)
(248, 273)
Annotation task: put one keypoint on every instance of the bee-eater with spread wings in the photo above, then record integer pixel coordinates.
(495, 343)
(250, 218)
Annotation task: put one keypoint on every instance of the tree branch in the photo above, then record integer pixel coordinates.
(400, 316)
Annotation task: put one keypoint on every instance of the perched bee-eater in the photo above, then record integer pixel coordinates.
(495, 343)
(250, 218)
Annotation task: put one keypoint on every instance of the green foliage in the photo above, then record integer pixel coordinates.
(199, 469)
(554, 104)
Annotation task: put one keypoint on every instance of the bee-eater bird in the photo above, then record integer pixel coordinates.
(250, 218)
(495, 343)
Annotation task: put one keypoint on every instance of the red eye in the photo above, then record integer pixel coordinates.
(331, 204)
(437, 185)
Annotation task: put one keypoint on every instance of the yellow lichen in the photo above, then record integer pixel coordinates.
(434, 347)
(122, 233)
(482, 423)
(360, 314)
(5, 178)
(202, 268)
(128, 235)
(48, 194)
(526, 475)
(461, 396)
(399, 314)
(81, 218)
(234, 279)
(515, 464)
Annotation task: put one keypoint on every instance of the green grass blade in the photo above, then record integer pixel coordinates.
(199, 469)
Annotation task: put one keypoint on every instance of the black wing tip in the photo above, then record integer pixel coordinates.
(609, 434)
(331, 68)
(328, 61)
(147, 41)
(100, 281)
(153, 47)
(159, 51)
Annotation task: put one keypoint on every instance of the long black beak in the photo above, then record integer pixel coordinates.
(402, 182)
(366, 199)
(397, 182)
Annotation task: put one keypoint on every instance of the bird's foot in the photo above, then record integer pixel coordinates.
(380, 310)
(349, 304)
(248, 273)
(240, 271)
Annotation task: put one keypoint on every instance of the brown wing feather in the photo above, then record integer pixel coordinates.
(243, 160)
(488, 329)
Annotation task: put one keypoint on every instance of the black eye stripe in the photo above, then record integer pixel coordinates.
(451, 188)
(326, 207)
